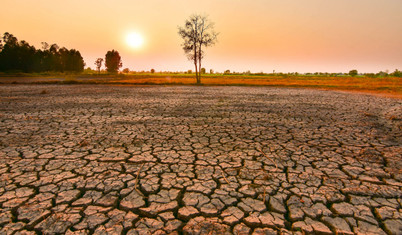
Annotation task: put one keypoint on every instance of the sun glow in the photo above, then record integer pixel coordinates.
(135, 40)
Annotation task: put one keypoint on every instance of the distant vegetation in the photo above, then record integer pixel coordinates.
(113, 61)
(98, 63)
(19, 56)
(353, 72)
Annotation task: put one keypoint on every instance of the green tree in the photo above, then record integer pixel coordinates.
(8, 54)
(353, 72)
(75, 62)
(64, 59)
(113, 61)
(396, 73)
(20, 56)
(55, 64)
(198, 32)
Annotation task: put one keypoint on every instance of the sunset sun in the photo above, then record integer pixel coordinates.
(135, 40)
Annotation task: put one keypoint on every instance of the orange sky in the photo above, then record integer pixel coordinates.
(256, 35)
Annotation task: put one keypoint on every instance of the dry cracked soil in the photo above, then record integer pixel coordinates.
(98, 159)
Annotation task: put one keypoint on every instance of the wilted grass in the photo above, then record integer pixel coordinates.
(387, 86)
(390, 86)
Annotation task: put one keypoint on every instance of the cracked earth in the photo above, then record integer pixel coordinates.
(86, 159)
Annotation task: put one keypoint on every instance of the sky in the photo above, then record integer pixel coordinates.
(257, 35)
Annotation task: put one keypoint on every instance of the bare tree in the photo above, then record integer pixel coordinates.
(98, 63)
(198, 32)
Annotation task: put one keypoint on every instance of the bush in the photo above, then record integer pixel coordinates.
(396, 73)
(353, 72)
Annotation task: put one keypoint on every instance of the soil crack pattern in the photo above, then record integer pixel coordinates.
(103, 159)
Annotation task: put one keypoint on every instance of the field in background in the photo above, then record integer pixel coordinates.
(386, 86)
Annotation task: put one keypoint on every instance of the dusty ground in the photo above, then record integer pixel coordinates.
(210, 160)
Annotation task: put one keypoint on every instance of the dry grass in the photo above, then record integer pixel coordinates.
(276, 166)
(391, 86)
(137, 180)
(83, 143)
(387, 86)
(224, 177)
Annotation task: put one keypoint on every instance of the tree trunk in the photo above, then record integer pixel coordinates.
(196, 73)
(199, 70)
(195, 63)
(199, 64)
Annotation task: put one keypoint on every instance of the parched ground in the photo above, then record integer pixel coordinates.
(85, 159)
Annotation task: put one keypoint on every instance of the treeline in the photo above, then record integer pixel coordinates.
(19, 56)
(351, 73)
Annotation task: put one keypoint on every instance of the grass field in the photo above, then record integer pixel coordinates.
(387, 86)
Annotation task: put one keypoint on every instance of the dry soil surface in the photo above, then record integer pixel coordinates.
(83, 159)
